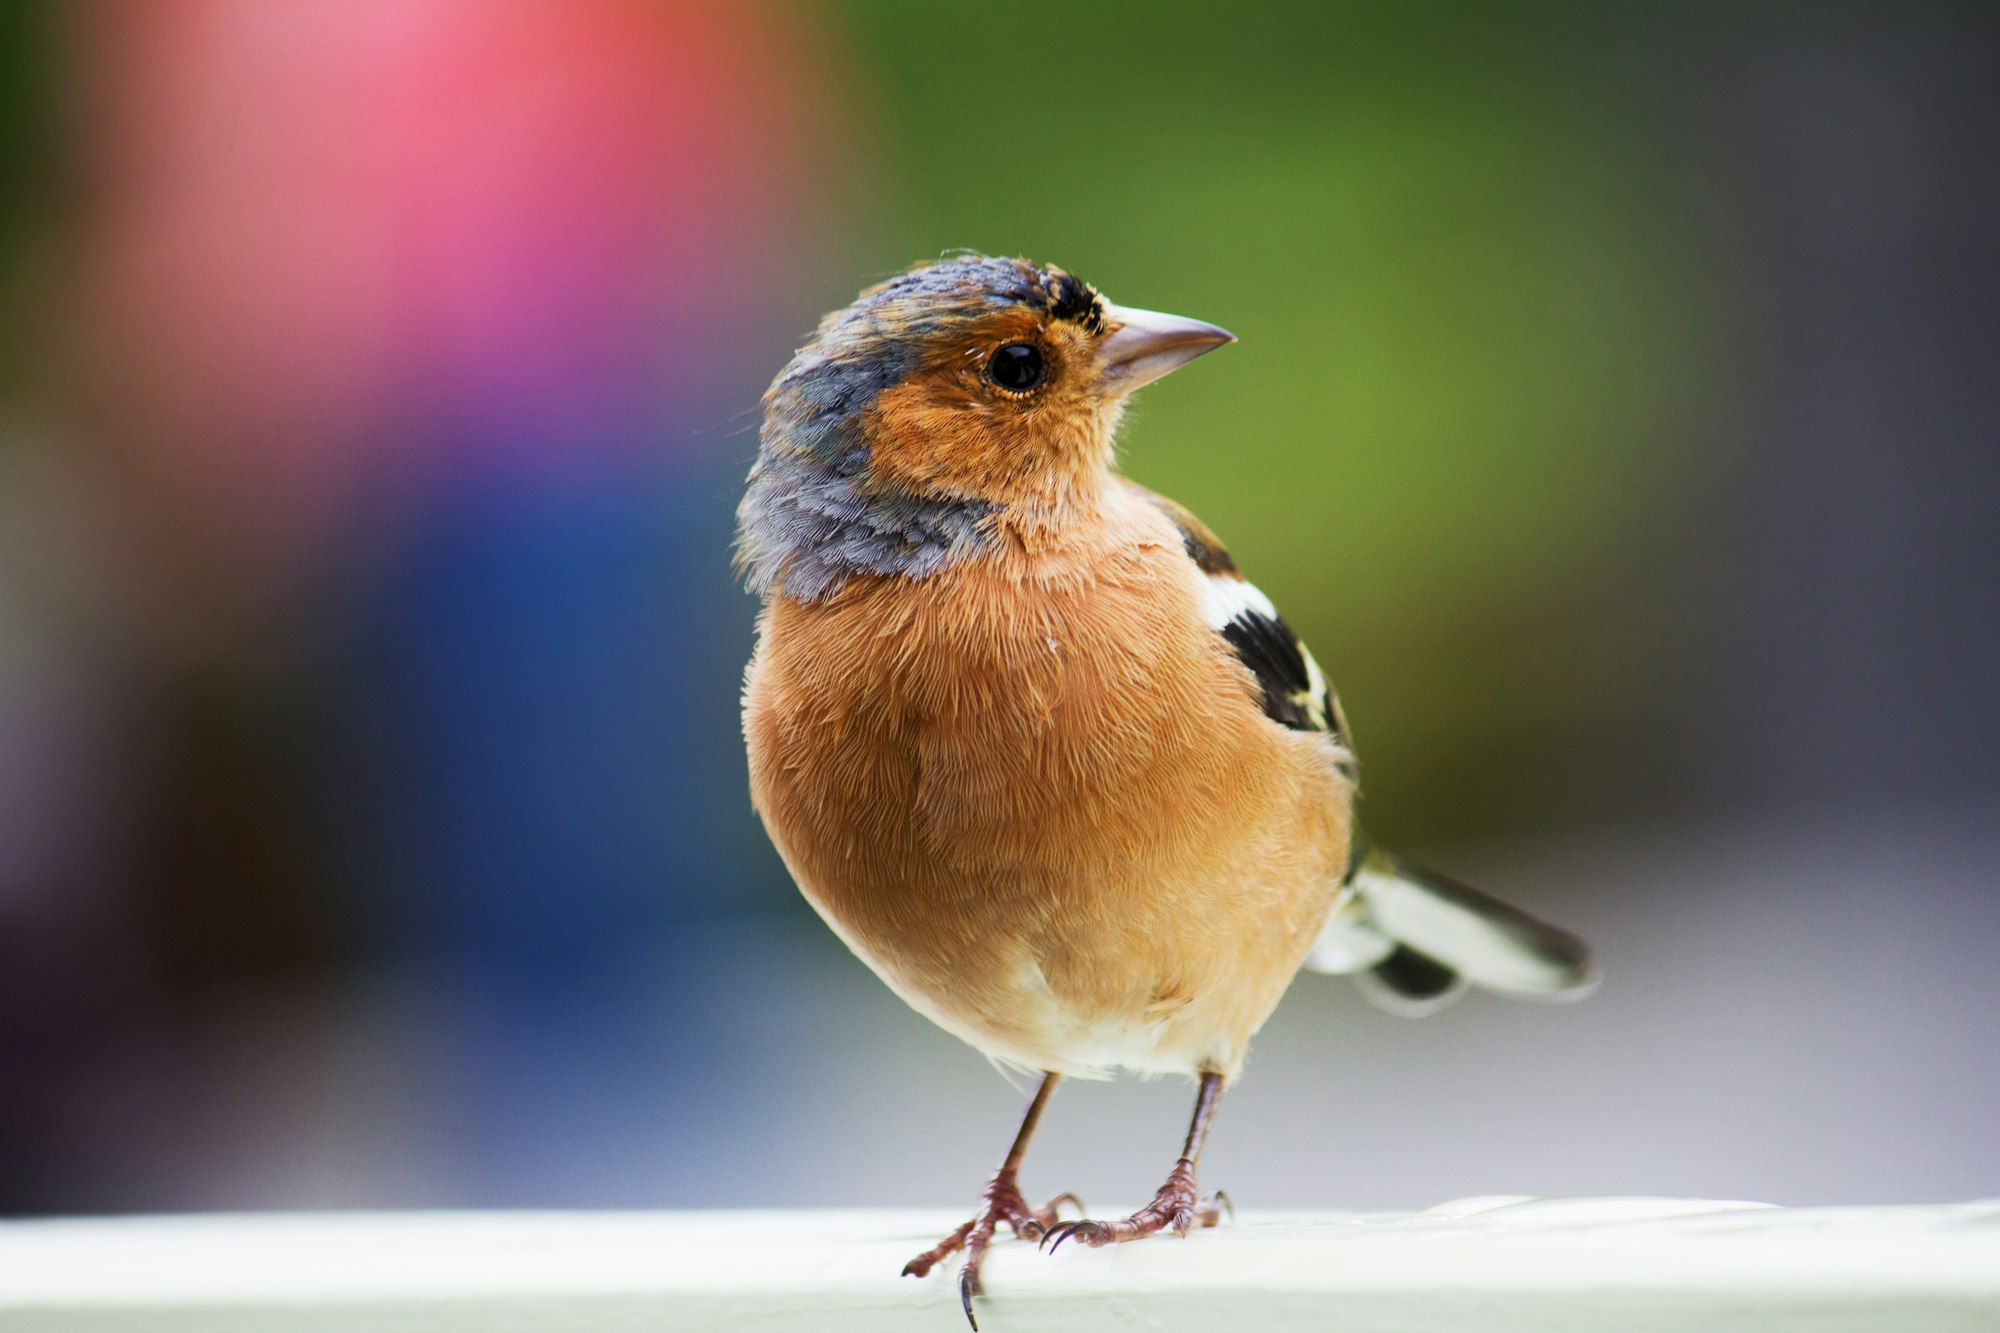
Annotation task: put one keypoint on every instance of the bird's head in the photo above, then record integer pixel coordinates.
(951, 393)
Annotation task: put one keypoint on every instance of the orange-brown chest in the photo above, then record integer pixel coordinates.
(1002, 718)
(1039, 765)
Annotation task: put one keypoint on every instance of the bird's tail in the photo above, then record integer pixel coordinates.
(1413, 939)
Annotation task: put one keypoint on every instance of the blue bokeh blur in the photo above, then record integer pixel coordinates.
(1614, 414)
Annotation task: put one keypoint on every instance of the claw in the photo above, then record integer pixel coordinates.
(1067, 1231)
(1037, 1225)
(1001, 1203)
(929, 1259)
(968, 1287)
(1175, 1208)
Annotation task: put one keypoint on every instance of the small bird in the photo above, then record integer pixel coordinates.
(1030, 743)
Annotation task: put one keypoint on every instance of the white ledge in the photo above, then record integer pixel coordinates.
(1552, 1265)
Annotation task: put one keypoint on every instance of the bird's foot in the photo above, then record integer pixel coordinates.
(1001, 1201)
(1178, 1206)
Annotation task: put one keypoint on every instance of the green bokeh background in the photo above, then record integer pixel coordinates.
(1468, 287)
(1613, 413)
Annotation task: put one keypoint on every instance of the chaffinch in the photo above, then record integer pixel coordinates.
(1030, 743)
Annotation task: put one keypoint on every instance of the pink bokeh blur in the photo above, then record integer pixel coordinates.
(377, 381)
(317, 236)
(379, 339)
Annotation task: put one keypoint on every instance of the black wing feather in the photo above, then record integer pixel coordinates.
(1293, 691)
(1275, 656)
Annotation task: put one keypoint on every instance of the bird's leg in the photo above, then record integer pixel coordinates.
(1001, 1201)
(1177, 1205)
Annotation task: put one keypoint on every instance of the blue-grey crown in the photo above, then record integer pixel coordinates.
(812, 517)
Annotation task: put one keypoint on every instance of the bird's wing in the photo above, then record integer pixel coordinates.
(1294, 690)
(1411, 937)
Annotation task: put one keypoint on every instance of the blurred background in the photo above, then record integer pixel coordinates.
(1615, 414)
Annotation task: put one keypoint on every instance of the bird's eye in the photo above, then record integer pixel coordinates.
(1017, 367)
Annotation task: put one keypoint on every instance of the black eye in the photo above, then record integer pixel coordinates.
(1017, 367)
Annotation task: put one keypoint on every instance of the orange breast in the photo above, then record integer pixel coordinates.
(1036, 794)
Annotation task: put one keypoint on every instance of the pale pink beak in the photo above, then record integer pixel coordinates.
(1143, 345)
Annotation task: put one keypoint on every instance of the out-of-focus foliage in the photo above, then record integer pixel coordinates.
(1452, 247)
(1614, 414)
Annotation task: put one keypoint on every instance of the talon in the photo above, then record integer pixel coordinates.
(1001, 1202)
(1176, 1207)
(968, 1287)
(1082, 1232)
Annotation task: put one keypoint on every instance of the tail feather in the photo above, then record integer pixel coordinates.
(1410, 983)
(1412, 932)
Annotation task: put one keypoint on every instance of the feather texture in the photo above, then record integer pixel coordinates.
(1021, 730)
(1406, 929)
(1057, 820)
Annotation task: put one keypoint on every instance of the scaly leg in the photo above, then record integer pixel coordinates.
(1001, 1201)
(1177, 1205)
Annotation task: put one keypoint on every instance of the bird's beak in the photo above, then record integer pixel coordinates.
(1143, 345)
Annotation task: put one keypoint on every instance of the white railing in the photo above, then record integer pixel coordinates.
(1476, 1266)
